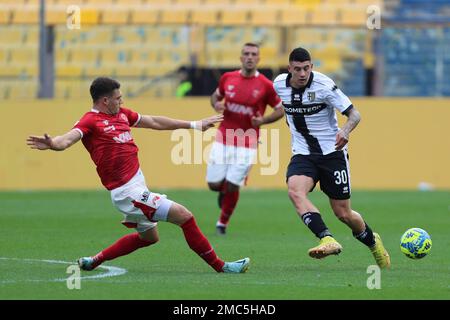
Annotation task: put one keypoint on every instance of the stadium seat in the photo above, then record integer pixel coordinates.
(89, 16)
(324, 17)
(293, 16)
(144, 16)
(354, 17)
(115, 16)
(205, 16)
(70, 71)
(264, 17)
(174, 16)
(5, 16)
(53, 16)
(25, 16)
(234, 17)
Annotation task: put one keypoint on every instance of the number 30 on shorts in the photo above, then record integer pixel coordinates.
(341, 177)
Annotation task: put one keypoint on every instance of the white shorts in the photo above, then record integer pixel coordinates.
(230, 163)
(140, 207)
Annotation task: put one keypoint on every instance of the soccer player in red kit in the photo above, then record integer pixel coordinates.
(242, 96)
(105, 133)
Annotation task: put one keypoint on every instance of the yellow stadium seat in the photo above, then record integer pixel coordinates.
(114, 16)
(144, 16)
(189, 3)
(174, 16)
(23, 56)
(324, 17)
(264, 17)
(354, 17)
(99, 71)
(68, 71)
(207, 16)
(53, 17)
(89, 16)
(25, 16)
(128, 71)
(293, 16)
(9, 70)
(234, 17)
(5, 16)
(84, 55)
(11, 35)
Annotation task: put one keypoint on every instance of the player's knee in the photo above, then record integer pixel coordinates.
(342, 213)
(184, 214)
(296, 196)
(149, 238)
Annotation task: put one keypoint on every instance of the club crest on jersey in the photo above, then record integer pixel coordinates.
(311, 96)
(124, 117)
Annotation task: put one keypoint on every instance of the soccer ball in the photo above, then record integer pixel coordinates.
(415, 243)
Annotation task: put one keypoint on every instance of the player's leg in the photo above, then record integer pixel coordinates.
(216, 171)
(298, 189)
(123, 246)
(240, 161)
(197, 241)
(335, 182)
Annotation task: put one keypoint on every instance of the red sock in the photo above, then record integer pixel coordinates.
(123, 246)
(230, 200)
(198, 243)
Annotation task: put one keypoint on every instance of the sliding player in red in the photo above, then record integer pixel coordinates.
(105, 132)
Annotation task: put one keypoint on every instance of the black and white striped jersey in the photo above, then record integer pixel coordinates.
(310, 112)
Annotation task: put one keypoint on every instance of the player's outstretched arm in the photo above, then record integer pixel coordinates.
(58, 143)
(165, 123)
(343, 135)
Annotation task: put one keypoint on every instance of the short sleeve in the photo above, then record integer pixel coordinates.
(221, 88)
(337, 99)
(85, 125)
(273, 99)
(132, 116)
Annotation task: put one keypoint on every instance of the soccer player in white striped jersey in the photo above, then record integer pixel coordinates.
(319, 150)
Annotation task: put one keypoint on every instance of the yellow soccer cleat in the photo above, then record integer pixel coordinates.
(380, 254)
(327, 246)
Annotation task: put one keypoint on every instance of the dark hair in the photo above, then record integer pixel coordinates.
(300, 55)
(103, 86)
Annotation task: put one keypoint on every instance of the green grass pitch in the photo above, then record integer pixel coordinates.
(63, 226)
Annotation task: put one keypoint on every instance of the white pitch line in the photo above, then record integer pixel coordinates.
(112, 271)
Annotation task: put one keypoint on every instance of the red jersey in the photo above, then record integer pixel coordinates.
(108, 140)
(244, 98)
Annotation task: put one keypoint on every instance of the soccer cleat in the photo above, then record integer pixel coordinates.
(239, 266)
(87, 263)
(327, 245)
(379, 253)
(221, 230)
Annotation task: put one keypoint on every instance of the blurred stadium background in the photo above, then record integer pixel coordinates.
(397, 74)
